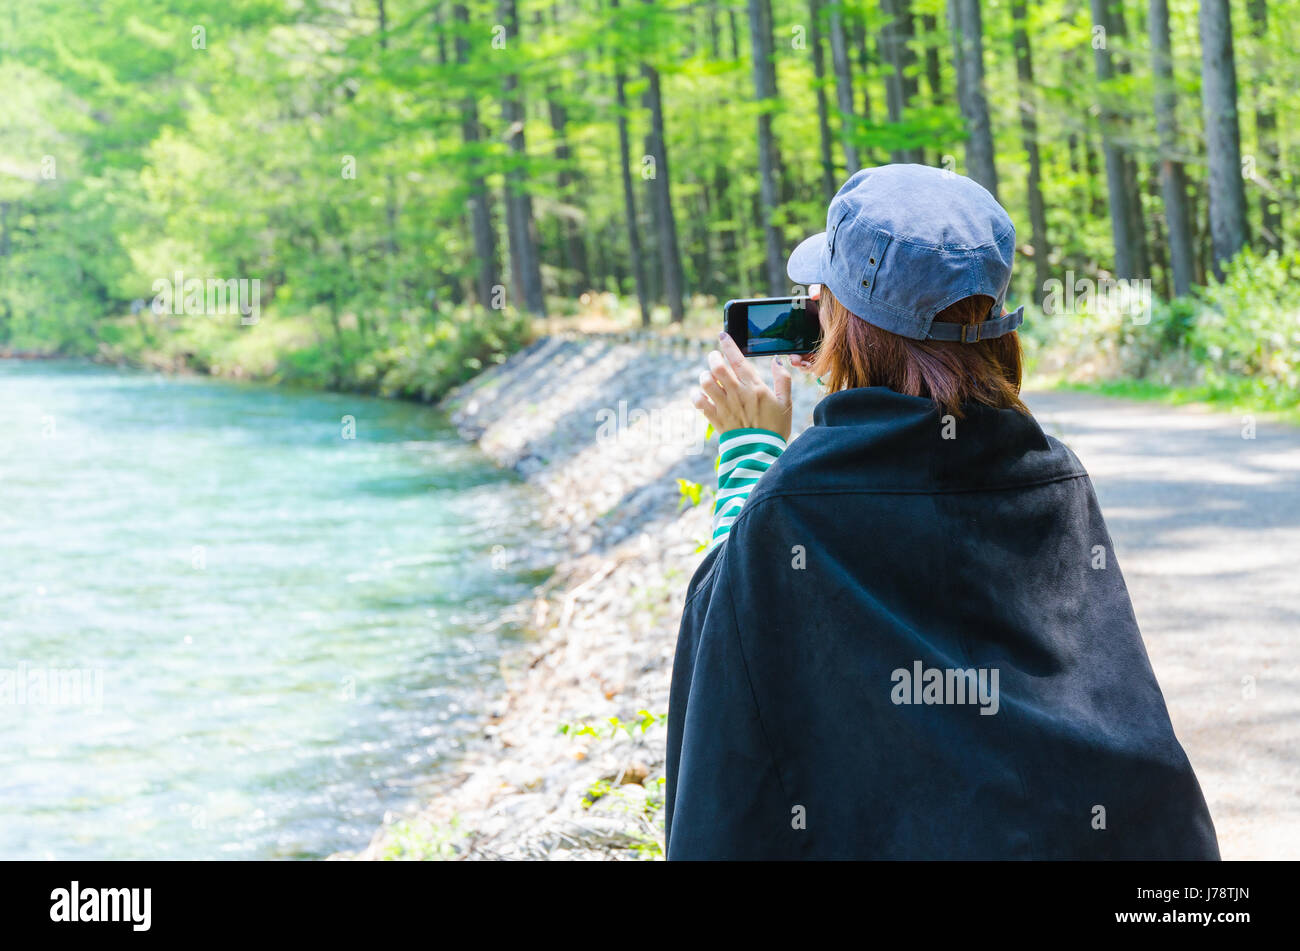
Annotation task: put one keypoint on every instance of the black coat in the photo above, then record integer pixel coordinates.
(875, 549)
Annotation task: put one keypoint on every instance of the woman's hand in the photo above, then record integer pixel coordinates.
(733, 396)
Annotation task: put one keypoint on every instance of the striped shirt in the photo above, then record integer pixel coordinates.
(743, 456)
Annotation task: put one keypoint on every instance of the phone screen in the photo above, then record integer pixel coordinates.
(773, 325)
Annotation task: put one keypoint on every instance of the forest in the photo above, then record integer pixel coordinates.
(408, 186)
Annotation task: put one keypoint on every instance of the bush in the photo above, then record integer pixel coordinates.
(426, 363)
(1238, 338)
(1248, 328)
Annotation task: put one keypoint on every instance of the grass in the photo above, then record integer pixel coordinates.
(1234, 397)
(419, 840)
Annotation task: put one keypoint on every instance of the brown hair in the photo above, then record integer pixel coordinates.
(855, 353)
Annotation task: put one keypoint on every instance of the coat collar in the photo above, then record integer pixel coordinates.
(868, 404)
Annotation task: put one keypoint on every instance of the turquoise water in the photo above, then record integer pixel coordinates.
(265, 634)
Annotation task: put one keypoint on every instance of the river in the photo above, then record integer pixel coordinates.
(239, 621)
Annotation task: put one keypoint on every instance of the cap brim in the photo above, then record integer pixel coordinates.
(805, 264)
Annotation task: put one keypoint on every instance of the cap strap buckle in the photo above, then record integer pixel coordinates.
(965, 327)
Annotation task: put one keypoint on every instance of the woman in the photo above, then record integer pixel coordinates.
(910, 638)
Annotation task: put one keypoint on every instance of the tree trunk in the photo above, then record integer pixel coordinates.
(1096, 203)
(896, 51)
(968, 55)
(1269, 163)
(823, 113)
(1173, 178)
(390, 205)
(1119, 198)
(525, 271)
(575, 249)
(6, 312)
(1159, 240)
(760, 34)
(1132, 188)
(1029, 131)
(1222, 134)
(629, 194)
(933, 73)
(844, 88)
(480, 214)
(864, 67)
(670, 258)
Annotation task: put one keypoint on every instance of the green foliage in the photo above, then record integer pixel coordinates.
(597, 791)
(689, 492)
(262, 139)
(1235, 343)
(418, 840)
(642, 803)
(613, 726)
(331, 154)
(647, 809)
(692, 494)
(1249, 328)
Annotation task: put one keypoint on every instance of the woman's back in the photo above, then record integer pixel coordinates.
(916, 643)
(911, 638)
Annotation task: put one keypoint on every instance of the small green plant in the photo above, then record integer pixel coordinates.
(613, 725)
(419, 840)
(645, 809)
(690, 493)
(596, 791)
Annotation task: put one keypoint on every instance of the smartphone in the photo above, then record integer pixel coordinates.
(765, 325)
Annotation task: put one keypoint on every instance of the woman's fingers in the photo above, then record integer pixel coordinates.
(724, 408)
(711, 387)
(707, 408)
(722, 371)
(780, 382)
(736, 359)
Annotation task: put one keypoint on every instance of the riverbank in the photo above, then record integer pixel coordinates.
(348, 352)
(571, 760)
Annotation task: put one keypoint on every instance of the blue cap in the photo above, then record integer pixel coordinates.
(902, 242)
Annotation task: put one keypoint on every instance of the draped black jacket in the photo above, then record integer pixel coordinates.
(876, 549)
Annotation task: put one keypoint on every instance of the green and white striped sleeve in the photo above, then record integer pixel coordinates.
(743, 456)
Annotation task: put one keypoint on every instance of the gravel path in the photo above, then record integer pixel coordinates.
(1206, 526)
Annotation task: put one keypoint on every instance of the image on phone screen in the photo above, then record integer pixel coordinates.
(782, 327)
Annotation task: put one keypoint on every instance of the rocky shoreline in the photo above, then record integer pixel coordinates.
(570, 761)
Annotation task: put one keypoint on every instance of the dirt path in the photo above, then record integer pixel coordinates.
(1206, 525)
